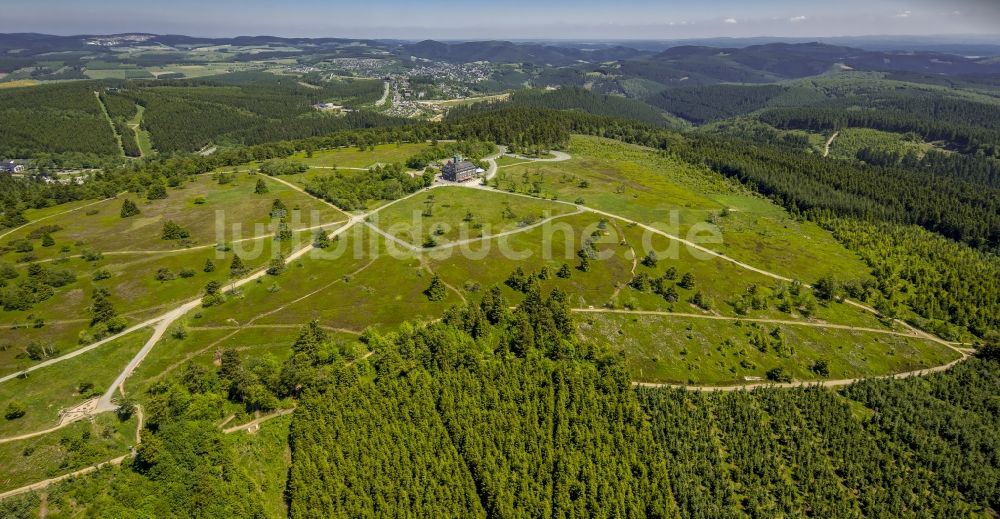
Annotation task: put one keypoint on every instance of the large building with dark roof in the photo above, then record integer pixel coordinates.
(458, 170)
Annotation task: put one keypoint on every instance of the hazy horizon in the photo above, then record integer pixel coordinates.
(514, 20)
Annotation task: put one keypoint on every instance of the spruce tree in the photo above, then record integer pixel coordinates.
(209, 266)
(261, 187)
(437, 290)
(237, 268)
(129, 209)
(156, 191)
(494, 305)
(101, 310)
(650, 260)
(47, 240)
(172, 231)
(322, 240)
(277, 265)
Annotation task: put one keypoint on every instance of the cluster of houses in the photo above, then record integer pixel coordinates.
(9, 166)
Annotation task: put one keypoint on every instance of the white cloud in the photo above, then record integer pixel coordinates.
(904, 14)
(730, 20)
(796, 19)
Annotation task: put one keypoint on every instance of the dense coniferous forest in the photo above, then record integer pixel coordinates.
(967, 126)
(709, 103)
(556, 429)
(960, 209)
(181, 115)
(58, 118)
(352, 190)
(943, 282)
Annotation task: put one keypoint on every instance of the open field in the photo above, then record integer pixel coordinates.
(48, 390)
(673, 196)
(266, 457)
(142, 136)
(355, 158)
(709, 352)
(135, 291)
(490, 262)
(74, 447)
(18, 83)
(727, 289)
(850, 141)
(454, 213)
(142, 273)
(211, 213)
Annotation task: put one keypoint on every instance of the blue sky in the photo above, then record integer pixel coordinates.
(475, 19)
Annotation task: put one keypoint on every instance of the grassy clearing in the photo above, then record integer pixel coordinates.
(353, 285)
(48, 390)
(135, 292)
(461, 213)
(355, 158)
(697, 351)
(266, 457)
(851, 140)
(143, 138)
(486, 263)
(316, 270)
(72, 448)
(210, 212)
(18, 83)
(723, 285)
(673, 196)
(70, 208)
(387, 293)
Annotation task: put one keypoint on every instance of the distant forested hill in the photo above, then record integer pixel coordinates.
(579, 99)
(180, 115)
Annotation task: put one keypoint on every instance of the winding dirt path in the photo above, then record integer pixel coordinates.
(829, 142)
(86, 470)
(789, 322)
(418, 249)
(806, 383)
(253, 425)
(187, 249)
